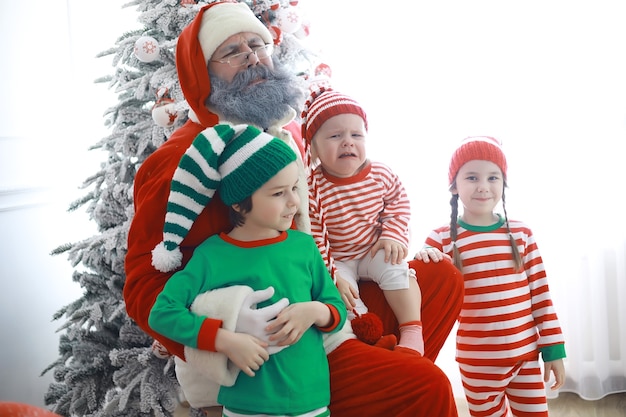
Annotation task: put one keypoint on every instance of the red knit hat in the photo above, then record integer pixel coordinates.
(324, 104)
(484, 148)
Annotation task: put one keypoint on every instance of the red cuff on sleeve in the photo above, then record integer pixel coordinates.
(334, 319)
(207, 334)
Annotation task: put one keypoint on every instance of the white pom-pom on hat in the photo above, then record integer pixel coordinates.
(166, 260)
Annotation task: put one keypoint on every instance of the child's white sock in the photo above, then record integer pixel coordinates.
(411, 336)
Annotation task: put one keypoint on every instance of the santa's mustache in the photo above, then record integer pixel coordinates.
(251, 75)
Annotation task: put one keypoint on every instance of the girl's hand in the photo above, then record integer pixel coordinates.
(428, 254)
(395, 253)
(247, 352)
(558, 369)
(296, 319)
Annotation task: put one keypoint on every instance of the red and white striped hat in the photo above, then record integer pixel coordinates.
(324, 104)
(320, 106)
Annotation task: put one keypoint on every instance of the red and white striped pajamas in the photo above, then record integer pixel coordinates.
(349, 215)
(506, 320)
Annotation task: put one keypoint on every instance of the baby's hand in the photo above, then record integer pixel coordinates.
(428, 254)
(395, 253)
(348, 294)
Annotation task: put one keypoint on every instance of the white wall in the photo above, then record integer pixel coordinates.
(50, 113)
(546, 77)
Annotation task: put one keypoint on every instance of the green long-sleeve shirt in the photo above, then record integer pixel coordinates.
(294, 380)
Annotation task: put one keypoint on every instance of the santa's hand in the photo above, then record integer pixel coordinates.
(253, 321)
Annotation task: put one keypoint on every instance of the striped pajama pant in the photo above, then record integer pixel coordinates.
(494, 391)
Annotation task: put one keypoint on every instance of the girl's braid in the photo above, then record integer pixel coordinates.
(517, 259)
(454, 215)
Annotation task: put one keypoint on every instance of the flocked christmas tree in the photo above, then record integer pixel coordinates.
(106, 365)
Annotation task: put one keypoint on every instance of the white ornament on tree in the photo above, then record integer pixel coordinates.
(289, 19)
(164, 113)
(303, 32)
(321, 77)
(146, 49)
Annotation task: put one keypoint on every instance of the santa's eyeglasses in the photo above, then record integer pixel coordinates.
(242, 58)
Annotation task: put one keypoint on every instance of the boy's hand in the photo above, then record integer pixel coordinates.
(295, 319)
(247, 352)
(395, 253)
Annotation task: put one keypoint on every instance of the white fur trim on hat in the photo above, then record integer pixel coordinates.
(222, 21)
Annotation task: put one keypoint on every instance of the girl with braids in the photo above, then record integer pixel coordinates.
(507, 318)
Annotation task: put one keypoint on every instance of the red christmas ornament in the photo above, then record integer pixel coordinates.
(323, 69)
(277, 34)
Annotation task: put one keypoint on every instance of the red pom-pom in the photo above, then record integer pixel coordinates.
(368, 328)
(277, 35)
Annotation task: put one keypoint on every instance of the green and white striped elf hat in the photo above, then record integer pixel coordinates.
(234, 160)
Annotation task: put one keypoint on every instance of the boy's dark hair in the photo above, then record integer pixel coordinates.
(237, 218)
